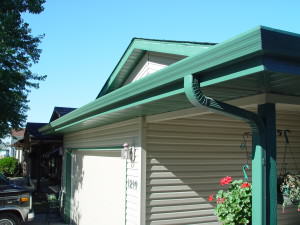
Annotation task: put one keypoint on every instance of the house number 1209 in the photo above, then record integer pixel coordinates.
(132, 184)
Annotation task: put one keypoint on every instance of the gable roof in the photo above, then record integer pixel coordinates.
(138, 47)
(32, 129)
(59, 112)
(17, 133)
(262, 60)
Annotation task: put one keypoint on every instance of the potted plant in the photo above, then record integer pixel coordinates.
(289, 189)
(234, 205)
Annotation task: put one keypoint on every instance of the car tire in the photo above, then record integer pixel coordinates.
(9, 219)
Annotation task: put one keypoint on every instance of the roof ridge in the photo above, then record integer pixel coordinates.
(175, 41)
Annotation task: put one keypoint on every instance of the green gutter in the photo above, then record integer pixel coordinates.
(236, 51)
(198, 99)
(241, 47)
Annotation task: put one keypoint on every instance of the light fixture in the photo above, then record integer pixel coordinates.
(128, 152)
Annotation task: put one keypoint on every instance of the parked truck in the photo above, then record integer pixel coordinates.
(15, 203)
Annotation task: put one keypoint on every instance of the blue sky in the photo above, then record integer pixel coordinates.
(85, 39)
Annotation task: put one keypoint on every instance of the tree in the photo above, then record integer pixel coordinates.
(18, 51)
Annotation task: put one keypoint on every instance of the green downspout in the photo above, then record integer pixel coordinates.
(198, 99)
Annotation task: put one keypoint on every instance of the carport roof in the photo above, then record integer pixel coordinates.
(262, 60)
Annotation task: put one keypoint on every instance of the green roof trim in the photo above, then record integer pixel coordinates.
(137, 49)
(243, 57)
(112, 148)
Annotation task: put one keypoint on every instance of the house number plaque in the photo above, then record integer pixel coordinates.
(132, 184)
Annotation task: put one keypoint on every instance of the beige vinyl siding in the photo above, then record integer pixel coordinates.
(106, 136)
(150, 63)
(186, 158)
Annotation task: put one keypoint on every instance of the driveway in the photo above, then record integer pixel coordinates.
(41, 219)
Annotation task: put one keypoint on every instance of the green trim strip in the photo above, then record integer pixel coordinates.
(179, 91)
(113, 148)
(232, 76)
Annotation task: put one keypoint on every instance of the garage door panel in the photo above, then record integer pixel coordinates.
(98, 188)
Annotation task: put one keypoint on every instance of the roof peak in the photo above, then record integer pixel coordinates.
(174, 41)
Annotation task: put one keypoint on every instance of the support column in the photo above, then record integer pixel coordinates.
(258, 177)
(268, 114)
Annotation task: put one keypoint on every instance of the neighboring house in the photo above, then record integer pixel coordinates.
(36, 149)
(43, 153)
(4, 148)
(183, 109)
(16, 148)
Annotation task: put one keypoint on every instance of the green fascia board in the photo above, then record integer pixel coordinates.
(124, 113)
(169, 47)
(247, 44)
(281, 43)
(234, 51)
(112, 148)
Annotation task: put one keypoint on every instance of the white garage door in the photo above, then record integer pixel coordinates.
(98, 188)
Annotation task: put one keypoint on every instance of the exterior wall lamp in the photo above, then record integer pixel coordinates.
(128, 152)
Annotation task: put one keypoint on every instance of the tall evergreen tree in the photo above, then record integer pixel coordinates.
(18, 51)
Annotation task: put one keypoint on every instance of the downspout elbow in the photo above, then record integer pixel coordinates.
(198, 99)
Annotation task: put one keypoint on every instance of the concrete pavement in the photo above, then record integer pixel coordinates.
(42, 219)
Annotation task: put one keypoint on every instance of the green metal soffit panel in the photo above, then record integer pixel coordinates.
(258, 61)
(137, 49)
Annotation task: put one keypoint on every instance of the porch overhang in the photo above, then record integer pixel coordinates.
(260, 61)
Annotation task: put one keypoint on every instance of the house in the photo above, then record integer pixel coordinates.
(169, 123)
(43, 153)
(4, 149)
(16, 149)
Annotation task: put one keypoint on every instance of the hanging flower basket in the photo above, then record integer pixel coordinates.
(234, 204)
(289, 190)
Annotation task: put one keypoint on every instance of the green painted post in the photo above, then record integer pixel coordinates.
(268, 114)
(258, 187)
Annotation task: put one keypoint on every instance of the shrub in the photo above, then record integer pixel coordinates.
(9, 166)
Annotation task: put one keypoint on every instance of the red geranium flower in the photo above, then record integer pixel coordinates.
(220, 200)
(210, 198)
(225, 180)
(245, 185)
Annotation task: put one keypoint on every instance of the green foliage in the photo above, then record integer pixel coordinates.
(9, 166)
(18, 50)
(290, 188)
(234, 204)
